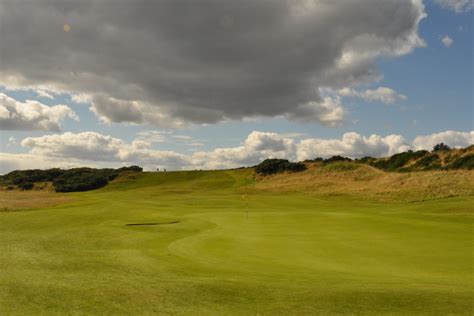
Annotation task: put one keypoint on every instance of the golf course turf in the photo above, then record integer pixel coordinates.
(213, 243)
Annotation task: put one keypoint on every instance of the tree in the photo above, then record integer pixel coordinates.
(441, 147)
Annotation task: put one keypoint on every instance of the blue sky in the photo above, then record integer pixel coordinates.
(436, 80)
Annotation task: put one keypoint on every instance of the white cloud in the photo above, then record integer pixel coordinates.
(11, 141)
(381, 94)
(12, 83)
(272, 142)
(183, 137)
(447, 41)
(196, 144)
(90, 148)
(329, 111)
(10, 162)
(450, 138)
(257, 147)
(351, 145)
(457, 6)
(31, 115)
(45, 94)
(95, 147)
(154, 136)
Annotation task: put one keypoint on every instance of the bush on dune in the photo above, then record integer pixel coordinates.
(70, 180)
(318, 159)
(26, 186)
(464, 162)
(81, 180)
(441, 147)
(366, 160)
(337, 159)
(272, 166)
(130, 169)
(428, 162)
(399, 160)
(442, 157)
(36, 175)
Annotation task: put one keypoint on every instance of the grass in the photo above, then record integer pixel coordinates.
(15, 200)
(192, 249)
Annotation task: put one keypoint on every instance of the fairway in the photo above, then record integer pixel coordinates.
(214, 243)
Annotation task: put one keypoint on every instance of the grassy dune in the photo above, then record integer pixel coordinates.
(219, 242)
(365, 182)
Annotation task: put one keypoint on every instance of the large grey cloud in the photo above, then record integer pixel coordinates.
(171, 62)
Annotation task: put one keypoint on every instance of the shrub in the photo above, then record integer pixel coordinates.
(337, 158)
(36, 175)
(467, 149)
(294, 166)
(367, 160)
(77, 179)
(80, 179)
(131, 168)
(441, 147)
(465, 162)
(26, 185)
(399, 160)
(271, 166)
(428, 162)
(318, 159)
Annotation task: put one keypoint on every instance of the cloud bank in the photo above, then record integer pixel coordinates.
(95, 149)
(172, 63)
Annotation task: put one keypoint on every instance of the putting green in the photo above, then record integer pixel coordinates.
(211, 243)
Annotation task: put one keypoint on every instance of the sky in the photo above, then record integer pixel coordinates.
(214, 84)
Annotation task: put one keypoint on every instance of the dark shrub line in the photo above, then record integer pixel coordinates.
(272, 166)
(66, 180)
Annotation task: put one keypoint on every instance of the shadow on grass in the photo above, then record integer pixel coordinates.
(151, 224)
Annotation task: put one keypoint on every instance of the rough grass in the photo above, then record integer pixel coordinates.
(240, 247)
(15, 200)
(365, 182)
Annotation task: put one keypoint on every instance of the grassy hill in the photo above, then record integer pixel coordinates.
(336, 239)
